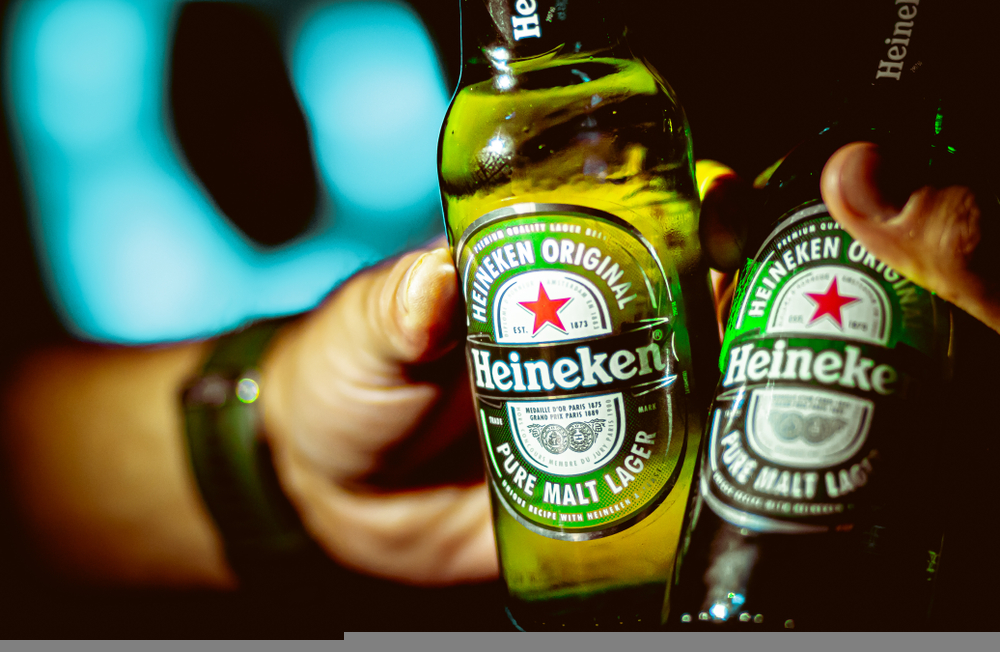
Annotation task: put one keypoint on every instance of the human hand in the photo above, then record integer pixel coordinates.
(935, 238)
(365, 398)
(723, 225)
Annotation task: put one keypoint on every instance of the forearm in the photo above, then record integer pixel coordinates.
(94, 441)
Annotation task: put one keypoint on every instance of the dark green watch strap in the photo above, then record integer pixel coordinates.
(232, 462)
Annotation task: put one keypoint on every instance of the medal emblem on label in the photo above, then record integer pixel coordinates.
(806, 428)
(574, 361)
(566, 442)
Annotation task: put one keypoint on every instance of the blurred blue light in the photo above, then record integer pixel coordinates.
(131, 247)
(370, 83)
(144, 252)
(88, 59)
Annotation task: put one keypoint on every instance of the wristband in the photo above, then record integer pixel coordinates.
(232, 461)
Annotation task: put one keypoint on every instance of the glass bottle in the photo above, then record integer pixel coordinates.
(572, 212)
(815, 507)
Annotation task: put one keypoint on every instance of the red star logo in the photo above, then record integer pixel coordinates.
(546, 310)
(830, 303)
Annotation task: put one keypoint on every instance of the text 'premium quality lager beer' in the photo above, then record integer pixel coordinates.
(816, 507)
(568, 188)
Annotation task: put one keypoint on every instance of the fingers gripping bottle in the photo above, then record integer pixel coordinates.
(814, 508)
(571, 208)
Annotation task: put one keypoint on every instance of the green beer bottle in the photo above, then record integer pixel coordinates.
(571, 208)
(814, 508)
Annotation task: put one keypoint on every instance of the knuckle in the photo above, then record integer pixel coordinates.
(949, 220)
(965, 220)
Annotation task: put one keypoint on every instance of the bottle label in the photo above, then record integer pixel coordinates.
(824, 341)
(578, 369)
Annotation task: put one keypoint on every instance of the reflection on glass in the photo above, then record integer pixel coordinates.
(504, 82)
(247, 390)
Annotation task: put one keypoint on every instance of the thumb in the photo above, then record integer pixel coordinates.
(341, 381)
(933, 236)
(399, 313)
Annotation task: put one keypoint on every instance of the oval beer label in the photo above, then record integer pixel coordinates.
(578, 372)
(820, 334)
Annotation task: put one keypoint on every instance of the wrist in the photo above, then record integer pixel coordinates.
(232, 460)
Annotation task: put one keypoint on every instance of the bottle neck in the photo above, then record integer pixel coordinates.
(902, 62)
(497, 34)
(896, 66)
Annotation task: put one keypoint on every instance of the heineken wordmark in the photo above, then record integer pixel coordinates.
(567, 181)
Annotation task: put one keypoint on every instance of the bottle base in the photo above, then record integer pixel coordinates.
(631, 609)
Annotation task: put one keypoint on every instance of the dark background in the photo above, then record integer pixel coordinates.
(755, 78)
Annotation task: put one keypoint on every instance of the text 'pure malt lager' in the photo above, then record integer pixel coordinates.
(567, 179)
(820, 490)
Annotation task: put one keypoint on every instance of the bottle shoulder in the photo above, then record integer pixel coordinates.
(562, 87)
(601, 127)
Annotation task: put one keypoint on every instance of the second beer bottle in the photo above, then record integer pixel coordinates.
(820, 498)
(572, 213)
